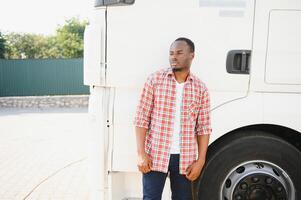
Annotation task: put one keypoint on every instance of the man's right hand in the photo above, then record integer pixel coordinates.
(144, 163)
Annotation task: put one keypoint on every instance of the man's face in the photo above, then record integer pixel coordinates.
(180, 56)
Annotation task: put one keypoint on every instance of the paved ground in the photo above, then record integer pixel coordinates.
(43, 154)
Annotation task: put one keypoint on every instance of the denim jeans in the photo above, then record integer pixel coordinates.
(153, 182)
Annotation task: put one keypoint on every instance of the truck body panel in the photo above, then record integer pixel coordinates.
(124, 44)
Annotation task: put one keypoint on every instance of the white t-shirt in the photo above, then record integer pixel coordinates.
(175, 145)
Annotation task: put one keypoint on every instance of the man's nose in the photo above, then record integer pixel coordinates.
(173, 57)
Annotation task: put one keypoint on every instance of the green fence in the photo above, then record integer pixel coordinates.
(36, 77)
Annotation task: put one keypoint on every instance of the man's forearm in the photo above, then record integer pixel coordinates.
(140, 139)
(203, 141)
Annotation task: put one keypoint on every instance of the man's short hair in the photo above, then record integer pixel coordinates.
(188, 42)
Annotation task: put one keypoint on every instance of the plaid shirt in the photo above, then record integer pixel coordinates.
(156, 110)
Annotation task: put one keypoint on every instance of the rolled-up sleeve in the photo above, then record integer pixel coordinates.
(145, 105)
(203, 125)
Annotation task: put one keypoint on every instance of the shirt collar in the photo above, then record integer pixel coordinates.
(170, 73)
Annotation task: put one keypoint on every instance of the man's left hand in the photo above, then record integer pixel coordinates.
(194, 170)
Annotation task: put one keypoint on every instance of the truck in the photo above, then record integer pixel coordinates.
(247, 53)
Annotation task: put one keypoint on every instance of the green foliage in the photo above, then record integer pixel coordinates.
(66, 43)
(20, 45)
(69, 38)
(2, 46)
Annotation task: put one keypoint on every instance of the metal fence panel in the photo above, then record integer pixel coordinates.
(36, 77)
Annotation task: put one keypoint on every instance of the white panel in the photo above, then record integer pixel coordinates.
(283, 110)
(224, 3)
(283, 64)
(258, 108)
(139, 38)
(94, 51)
(125, 157)
(236, 114)
(97, 152)
(258, 80)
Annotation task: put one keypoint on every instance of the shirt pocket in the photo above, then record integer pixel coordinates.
(194, 108)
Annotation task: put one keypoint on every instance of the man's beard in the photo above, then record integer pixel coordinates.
(175, 69)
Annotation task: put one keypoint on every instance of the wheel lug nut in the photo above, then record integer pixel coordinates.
(238, 197)
(243, 186)
(279, 189)
(255, 179)
(268, 180)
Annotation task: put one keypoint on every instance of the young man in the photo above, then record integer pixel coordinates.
(173, 126)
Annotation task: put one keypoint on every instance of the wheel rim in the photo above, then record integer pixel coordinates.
(257, 180)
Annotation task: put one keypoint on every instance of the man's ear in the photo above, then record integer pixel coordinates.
(192, 55)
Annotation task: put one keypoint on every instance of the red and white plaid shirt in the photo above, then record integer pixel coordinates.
(156, 110)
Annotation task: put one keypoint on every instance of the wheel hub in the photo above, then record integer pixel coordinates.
(257, 180)
(259, 187)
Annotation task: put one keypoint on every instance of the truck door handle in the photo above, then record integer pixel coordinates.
(238, 61)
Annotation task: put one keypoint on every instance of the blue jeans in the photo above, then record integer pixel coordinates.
(153, 182)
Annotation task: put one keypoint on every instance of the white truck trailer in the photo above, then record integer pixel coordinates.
(248, 52)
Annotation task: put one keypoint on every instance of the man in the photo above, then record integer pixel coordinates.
(173, 126)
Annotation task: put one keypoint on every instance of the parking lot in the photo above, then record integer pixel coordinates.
(44, 154)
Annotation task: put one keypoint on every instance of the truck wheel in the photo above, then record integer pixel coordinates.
(251, 165)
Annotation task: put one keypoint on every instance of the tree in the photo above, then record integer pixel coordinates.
(69, 38)
(2, 46)
(66, 43)
(25, 45)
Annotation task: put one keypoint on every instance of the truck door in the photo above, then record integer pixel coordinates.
(138, 41)
(276, 58)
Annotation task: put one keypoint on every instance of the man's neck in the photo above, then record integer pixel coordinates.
(181, 76)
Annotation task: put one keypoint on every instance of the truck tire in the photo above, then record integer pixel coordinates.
(251, 165)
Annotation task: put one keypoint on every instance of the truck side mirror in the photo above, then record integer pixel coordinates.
(99, 3)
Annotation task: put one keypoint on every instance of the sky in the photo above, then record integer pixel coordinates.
(40, 16)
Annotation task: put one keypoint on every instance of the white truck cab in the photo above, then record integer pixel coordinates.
(248, 52)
